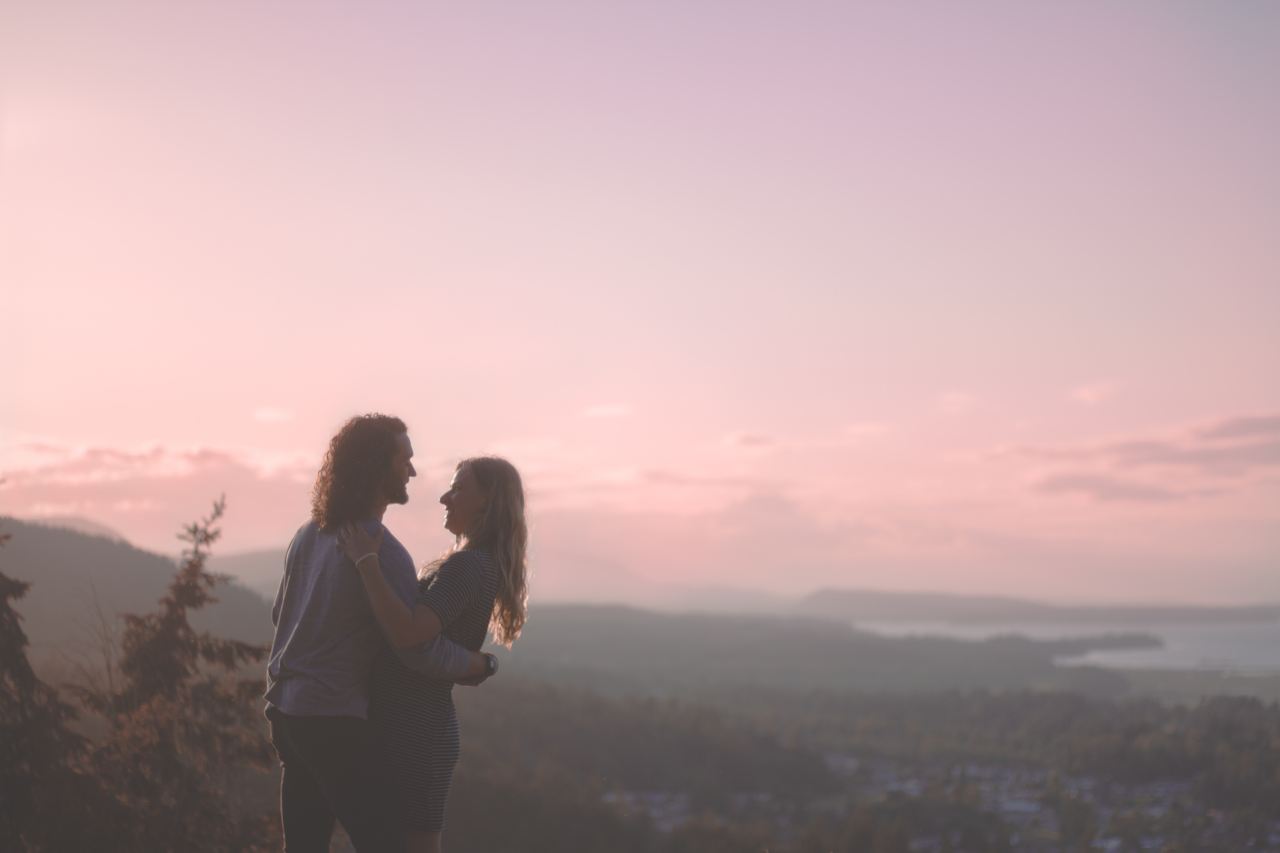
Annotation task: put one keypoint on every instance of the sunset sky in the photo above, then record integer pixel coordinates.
(968, 297)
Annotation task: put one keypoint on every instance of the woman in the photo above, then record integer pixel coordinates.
(479, 585)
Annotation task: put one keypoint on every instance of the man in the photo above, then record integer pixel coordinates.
(326, 640)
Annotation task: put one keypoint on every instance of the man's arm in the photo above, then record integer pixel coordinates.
(444, 659)
(275, 608)
(438, 657)
(284, 578)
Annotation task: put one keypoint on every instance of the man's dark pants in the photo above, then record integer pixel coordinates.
(326, 773)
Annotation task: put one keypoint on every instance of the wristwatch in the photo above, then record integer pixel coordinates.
(490, 665)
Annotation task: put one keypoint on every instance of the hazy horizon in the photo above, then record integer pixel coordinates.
(258, 570)
(973, 300)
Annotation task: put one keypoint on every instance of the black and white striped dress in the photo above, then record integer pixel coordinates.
(413, 715)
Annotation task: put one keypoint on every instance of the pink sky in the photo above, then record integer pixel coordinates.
(756, 295)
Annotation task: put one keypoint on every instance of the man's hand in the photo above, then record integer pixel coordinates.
(490, 669)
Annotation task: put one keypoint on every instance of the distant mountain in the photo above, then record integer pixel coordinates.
(74, 575)
(624, 650)
(861, 605)
(80, 525)
(259, 571)
(727, 599)
(613, 648)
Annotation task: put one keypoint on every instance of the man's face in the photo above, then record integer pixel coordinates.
(397, 485)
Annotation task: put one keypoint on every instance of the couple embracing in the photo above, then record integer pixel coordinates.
(366, 652)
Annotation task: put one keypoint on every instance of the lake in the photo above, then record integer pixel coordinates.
(1246, 647)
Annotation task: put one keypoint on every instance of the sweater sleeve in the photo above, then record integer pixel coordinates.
(441, 658)
(290, 557)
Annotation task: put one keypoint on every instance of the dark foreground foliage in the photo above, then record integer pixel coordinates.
(46, 795)
(182, 731)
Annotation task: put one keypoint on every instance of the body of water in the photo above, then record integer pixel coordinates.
(1249, 647)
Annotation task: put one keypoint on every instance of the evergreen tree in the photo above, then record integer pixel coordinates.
(186, 731)
(47, 802)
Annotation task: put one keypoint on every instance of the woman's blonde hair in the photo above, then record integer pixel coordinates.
(503, 534)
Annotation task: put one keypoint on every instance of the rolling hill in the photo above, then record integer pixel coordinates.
(611, 648)
(74, 576)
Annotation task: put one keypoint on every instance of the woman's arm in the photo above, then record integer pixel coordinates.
(403, 627)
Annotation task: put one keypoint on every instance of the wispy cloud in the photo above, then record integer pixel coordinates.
(150, 490)
(664, 477)
(107, 464)
(98, 465)
(607, 410)
(865, 429)
(43, 447)
(750, 440)
(1246, 427)
(272, 415)
(1093, 393)
(1100, 487)
(49, 509)
(955, 402)
(1228, 447)
(1189, 462)
(1220, 460)
(759, 443)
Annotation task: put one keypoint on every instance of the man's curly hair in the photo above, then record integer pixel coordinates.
(355, 469)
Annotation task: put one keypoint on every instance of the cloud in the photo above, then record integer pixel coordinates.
(606, 410)
(272, 415)
(1219, 460)
(130, 505)
(43, 448)
(1229, 448)
(750, 440)
(663, 477)
(107, 464)
(1246, 427)
(1094, 393)
(955, 402)
(676, 489)
(93, 465)
(847, 437)
(47, 509)
(1106, 489)
(151, 491)
(866, 429)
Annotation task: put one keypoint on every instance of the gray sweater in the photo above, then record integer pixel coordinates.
(326, 636)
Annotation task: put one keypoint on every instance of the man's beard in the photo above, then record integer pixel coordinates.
(397, 491)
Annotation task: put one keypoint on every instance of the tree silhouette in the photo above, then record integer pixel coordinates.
(185, 727)
(47, 801)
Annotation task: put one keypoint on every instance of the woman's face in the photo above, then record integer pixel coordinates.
(463, 504)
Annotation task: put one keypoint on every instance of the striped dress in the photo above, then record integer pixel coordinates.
(413, 715)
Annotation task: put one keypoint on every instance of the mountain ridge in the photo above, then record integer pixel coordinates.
(78, 580)
(868, 605)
